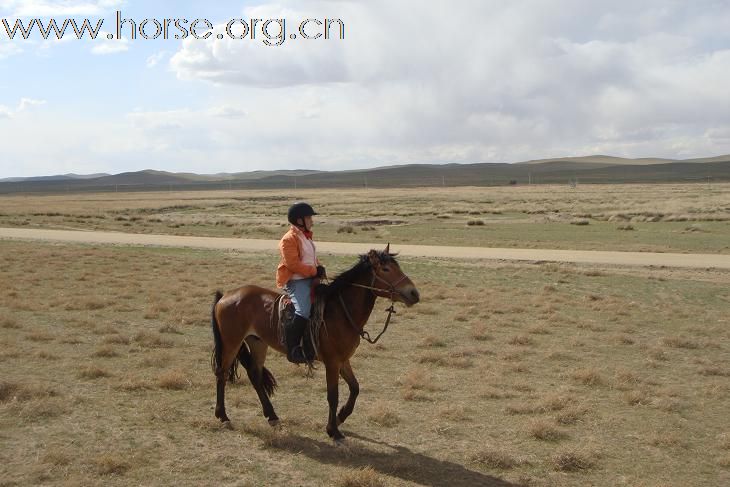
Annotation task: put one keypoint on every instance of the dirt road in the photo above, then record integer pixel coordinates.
(577, 256)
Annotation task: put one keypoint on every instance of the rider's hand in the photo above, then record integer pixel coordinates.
(321, 272)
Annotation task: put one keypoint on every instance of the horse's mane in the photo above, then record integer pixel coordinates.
(346, 278)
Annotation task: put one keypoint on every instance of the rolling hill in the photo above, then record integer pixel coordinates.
(591, 169)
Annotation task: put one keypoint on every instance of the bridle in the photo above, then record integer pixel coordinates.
(391, 293)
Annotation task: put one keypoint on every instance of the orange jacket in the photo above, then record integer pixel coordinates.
(291, 260)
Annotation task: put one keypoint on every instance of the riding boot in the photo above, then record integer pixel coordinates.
(293, 332)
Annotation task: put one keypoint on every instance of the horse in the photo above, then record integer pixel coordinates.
(245, 324)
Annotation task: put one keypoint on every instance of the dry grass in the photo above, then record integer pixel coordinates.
(150, 340)
(681, 342)
(571, 415)
(668, 440)
(383, 414)
(93, 372)
(361, 477)
(117, 340)
(111, 464)
(544, 430)
(440, 400)
(494, 458)
(9, 323)
(173, 380)
(520, 340)
(572, 461)
(588, 376)
(105, 351)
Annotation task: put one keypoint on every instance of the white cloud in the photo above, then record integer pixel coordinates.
(23, 106)
(28, 102)
(57, 8)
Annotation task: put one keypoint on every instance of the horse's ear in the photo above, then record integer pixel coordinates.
(387, 249)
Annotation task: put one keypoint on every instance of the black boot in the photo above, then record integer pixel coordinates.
(293, 332)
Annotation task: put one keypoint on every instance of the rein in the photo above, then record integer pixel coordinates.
(364, 334)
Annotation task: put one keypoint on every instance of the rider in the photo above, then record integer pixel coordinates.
(297, 269)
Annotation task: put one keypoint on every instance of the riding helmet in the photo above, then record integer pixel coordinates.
(299, 210)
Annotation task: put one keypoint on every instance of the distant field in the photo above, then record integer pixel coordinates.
(532, 374)
(657, 218)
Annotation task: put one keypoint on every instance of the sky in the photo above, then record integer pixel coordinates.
(458, 81)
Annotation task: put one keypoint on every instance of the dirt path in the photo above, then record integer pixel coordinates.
(577, 256)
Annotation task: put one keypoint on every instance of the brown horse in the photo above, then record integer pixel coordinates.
(244, 328)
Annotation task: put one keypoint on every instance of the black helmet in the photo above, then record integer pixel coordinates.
(299, 210)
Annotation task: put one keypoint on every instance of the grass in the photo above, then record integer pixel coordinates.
(572, 461)
(562, 374)
(494, 458)
(660, 217)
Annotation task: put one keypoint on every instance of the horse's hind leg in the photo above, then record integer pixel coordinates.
(349, 376)
(253, 358)
(220, 402)
(221, 376)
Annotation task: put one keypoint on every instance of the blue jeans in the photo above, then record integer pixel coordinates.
(299, 291)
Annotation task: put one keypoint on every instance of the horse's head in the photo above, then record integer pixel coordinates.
(389, 280)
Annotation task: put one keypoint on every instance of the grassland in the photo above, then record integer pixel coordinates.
(657, 218)
(528, 374)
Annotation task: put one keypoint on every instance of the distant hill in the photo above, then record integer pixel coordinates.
(620, 161)
(591, 169)
(60, 177)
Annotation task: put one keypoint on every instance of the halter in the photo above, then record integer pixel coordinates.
(391, 292)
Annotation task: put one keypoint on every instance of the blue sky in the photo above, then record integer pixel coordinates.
(412, 82)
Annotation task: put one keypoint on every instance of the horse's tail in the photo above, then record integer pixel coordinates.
(216, 359)
(267, 378)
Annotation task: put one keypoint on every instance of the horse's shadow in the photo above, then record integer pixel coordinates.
(399, 461)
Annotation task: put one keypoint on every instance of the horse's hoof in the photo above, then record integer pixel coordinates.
(340, 442)
(275, 423)
(227, 424)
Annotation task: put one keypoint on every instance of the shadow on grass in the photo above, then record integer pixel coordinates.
(399, 461)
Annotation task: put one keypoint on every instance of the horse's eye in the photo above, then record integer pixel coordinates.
(386, 269)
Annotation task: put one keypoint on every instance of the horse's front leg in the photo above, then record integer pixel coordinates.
(333, 377)
(349, 376)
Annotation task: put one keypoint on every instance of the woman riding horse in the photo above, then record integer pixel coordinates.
(245, 324)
